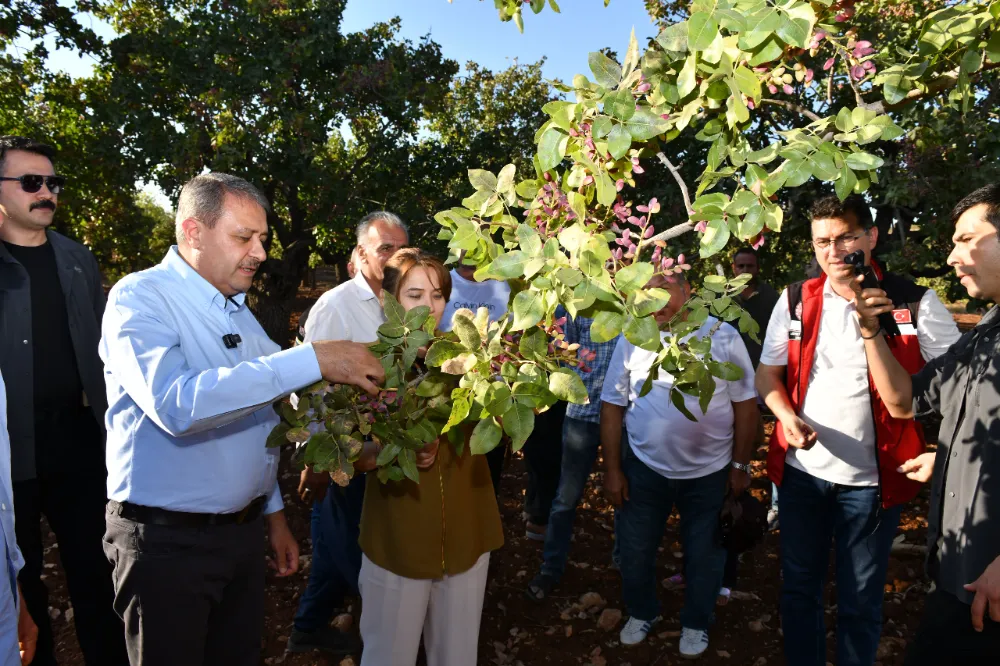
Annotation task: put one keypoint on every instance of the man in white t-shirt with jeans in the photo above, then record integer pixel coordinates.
(670, 460)
(836, 449)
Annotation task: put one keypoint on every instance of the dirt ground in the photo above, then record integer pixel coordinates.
(517, 631)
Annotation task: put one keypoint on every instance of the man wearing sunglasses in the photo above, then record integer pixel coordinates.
(836, 449)
(51, 304)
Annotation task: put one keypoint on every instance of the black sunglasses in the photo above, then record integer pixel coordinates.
(31, 183)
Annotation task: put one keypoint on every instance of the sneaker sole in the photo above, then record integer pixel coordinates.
(693, 656)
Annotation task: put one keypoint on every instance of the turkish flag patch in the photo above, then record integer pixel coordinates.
(902, 316)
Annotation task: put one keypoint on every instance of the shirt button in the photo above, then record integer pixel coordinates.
(3, 507)
(951, 494)
(24, 341)
(954, 454)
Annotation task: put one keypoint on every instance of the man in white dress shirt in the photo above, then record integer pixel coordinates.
(350, 311)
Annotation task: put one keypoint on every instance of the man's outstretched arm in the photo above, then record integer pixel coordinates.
(894, 383)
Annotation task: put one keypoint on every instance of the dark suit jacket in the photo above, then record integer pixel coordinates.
(81, 284)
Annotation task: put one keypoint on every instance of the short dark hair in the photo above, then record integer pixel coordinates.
(988, 195)
(831, 207)
(13, 142)
(746, 249)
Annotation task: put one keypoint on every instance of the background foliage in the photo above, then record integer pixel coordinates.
(120, 126)
(329, 125)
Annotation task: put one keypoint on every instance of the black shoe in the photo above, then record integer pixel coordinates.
(327, 639)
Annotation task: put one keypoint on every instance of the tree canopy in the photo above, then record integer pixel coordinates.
(329, 125)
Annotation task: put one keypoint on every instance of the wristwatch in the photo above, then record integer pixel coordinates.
(741, 466)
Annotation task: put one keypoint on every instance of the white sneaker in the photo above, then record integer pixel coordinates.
(694, 642)
(635, 631)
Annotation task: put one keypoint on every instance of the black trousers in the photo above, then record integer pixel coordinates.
(543, 463)
(497, 460)
(71, 493)
(189, 596)
(946, 637)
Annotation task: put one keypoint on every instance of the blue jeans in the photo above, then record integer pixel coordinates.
(336, 558)
(580, 442)
(815, 512)
(641, 522)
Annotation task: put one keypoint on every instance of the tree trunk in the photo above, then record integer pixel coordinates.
(273, 293)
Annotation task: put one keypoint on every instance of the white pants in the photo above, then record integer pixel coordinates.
(395, 611)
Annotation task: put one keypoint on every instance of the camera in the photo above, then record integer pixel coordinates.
(856, 260)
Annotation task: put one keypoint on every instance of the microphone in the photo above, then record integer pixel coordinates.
(231, 340)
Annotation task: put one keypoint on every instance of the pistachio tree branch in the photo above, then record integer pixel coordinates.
(672, 232)
(858, 97)
(675, 172)
(829, 80)
(792, 106)
(684, 227)
(943, 82)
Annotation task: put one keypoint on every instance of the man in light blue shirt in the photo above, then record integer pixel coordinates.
(18, 632)
(191, 379)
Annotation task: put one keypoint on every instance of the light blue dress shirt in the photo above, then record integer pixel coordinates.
(188, 418)
(9, 654)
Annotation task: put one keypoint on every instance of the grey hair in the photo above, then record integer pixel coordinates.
(202, 198)
(391, 219)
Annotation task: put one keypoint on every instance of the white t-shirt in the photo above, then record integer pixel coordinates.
(838, 405)
(660, 436)
(490, 294)
(349, 311)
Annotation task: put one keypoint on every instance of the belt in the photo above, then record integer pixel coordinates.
(151, 515)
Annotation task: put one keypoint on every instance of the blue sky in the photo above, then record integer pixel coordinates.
(470, 30)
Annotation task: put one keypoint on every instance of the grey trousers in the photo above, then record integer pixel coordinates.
(188, 596)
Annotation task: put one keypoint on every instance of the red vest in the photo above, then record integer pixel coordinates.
(897, 440)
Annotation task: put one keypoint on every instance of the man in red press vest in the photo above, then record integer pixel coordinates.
(836, 449)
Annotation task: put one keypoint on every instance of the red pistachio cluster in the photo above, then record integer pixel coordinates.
(558, 345)
(845, 10)
(381, 403)
(571, 354)
(554, 205)
(628, 239)
(858, 50)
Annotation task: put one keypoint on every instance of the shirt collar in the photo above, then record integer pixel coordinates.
(990, 319)
(201, 289)
(366, 291)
